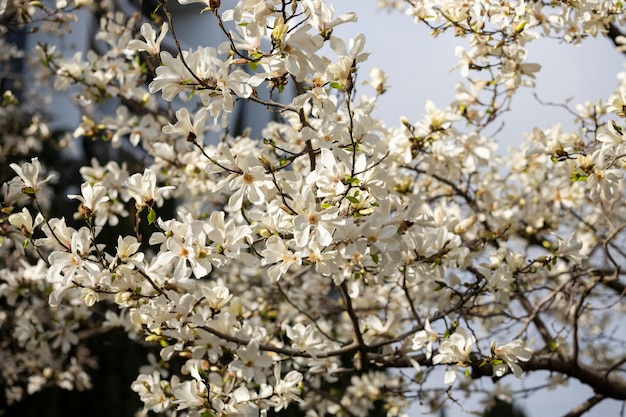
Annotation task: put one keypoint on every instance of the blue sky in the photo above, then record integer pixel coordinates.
(419, 69)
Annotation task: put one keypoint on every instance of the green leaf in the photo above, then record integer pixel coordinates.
(375, 258)
(336, 85)
(151, 216)
(29, 190)
(25, 243)
(353, 200)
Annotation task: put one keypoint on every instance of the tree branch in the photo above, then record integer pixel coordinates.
(353, 347)
(613, 34)
(581, 409)
(355, 323)
(603, 385)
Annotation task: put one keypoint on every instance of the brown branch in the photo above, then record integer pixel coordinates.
(538, 307)
(613, 33)
(152, 283)
(542, 328)
(355, 323)
(599, 381)
(311, 152)
(580, 306)
(581, 409)
(352, 347)
(409, 299)
(312, 319)
(602, 384)
(610, 279)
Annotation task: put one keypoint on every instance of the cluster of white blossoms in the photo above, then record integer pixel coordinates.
(301, 265)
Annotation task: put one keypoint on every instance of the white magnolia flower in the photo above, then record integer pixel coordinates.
(456, 351)
(313, 221)
(279, 256)
(216, 297)
(150, 388)
(425, 338)
(24, 221)
(378, 80)
(231, 238)
(28, 173)
(605, 184)
(187, 394)
(74, 264)
(617, 102)
(286, 389)
(252, 183)
(321, 16)
(190, 131)
(611, 134)
(571, 248)
(305, 338)
(127, 248)
(92, 197)
(172, 77)
(251, 363)
(58, 234)
(152, 45)
(510, 354)
(142, 187)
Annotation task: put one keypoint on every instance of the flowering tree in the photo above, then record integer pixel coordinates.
(331, 250)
